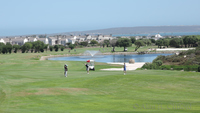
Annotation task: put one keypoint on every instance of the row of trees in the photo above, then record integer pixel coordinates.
(5, 48)
(37, 46)
(187, 41)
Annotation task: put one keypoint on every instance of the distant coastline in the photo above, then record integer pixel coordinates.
(131, 31)
(162, 34)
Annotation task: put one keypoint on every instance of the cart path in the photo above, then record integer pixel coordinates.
(128, 66)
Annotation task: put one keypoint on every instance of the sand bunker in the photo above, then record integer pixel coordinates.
(128, 66)
(174, 49)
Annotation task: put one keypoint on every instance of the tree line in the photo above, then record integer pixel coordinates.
(185, 41)
(39, 46)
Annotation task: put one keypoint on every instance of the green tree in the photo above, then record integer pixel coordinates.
(56, 47)
(106, 42)
(159, 43)
(124, 42)
(166, 42)
(138, 43)
(38, 46)
(51, 48)
(113, 43)
(84, 43)
(4, 49)
(176, 42)
(16, 48)
(93, 42)
(186, 40)
(46, 46)
(1, 47)
(62, 47)
(9, 47)
(153, 40)
(71, 46)
(193, 40)
(26, 47)
(146, 41)
(133, 40)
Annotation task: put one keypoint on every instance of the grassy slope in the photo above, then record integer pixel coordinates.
(28, 85)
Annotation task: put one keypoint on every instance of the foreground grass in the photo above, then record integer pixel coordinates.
(28, 85)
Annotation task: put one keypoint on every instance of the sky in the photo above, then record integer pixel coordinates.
(24, 17)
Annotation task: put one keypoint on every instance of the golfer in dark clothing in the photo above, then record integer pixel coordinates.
(124, 69)
(87, 68)
(65, 70)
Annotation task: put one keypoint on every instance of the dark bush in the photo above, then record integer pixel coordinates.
(159, 62)
(165, 67)
(51, 48)
(42, 50)
(183, 67)
(199, 69)
(150, 66)
(160, 57)
(56, 47)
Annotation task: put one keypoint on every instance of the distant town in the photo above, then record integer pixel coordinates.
(64, 39)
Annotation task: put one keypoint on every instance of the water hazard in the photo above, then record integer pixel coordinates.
(111, 58)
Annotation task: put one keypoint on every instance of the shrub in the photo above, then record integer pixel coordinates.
(160, 57)
(56, 47)
(165, 67)
(159, 62)
(42, 50)
(150, 66)
(183, 67)
(62, 48)
(51, 48)
(199, 69)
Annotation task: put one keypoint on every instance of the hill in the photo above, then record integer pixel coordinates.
(138, 30)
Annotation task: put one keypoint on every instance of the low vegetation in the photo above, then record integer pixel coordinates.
(185, 60)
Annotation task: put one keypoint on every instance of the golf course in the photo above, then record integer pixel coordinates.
(30, 85)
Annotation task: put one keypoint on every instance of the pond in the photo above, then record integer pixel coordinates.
(112, 58)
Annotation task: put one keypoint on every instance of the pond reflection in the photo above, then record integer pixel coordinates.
(112, 58)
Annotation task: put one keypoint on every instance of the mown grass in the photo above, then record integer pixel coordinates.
(28, 85)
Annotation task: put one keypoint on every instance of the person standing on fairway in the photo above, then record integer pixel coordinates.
(65, 70)
(124, 69)
(87, 68)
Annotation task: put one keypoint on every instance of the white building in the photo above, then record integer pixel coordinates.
(45, 40)
(158, 36)
(31, 39)
(71, 40)
(64, 41)
(19, 41)
(52, 41)
(1, 40)
(94, 37)
(88, 37)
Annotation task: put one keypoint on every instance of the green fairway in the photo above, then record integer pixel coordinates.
(33, 86)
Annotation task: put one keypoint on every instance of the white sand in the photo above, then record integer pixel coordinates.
(128, 66)
(174, 49)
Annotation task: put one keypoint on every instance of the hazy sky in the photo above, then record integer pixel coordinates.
(21, 17)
